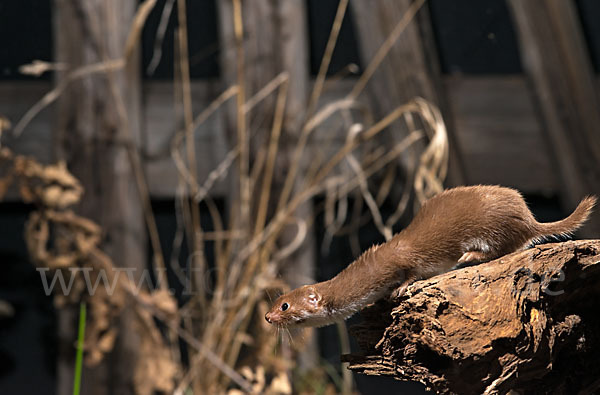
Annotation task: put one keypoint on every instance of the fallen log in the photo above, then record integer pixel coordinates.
(527, 322)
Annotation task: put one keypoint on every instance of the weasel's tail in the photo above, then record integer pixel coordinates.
(572, 222)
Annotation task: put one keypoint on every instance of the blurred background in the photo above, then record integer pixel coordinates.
(214, 145)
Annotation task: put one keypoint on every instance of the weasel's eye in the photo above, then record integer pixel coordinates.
(284, 307)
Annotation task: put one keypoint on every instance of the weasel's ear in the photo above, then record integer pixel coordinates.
(313, 296)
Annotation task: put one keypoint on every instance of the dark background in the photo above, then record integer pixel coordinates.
(473, 37)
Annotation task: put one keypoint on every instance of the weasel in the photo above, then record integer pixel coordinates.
(470, 224)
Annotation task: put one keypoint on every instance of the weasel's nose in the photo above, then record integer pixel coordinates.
(267, 318)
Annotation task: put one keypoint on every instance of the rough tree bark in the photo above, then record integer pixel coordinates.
(526, 322)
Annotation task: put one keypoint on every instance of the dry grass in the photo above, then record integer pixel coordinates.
(248, 257)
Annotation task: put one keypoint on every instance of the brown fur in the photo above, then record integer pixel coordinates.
(464, 224)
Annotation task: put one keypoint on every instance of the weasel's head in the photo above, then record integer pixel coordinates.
(300, 307)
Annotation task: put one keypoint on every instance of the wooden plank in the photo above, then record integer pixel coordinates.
(15, 99)
(160, 125)
(556, 60)
(275, 41)
(409, 69)
(496, 127)
(499, 134)
(90, 135)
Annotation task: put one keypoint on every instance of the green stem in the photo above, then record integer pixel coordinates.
(79, 357)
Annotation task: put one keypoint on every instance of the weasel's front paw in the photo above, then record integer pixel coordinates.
(397, 293)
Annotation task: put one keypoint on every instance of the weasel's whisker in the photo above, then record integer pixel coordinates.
(302, 335)
(278, 338)
(291, 337)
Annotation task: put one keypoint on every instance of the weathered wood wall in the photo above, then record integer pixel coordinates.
(410, 69)
(558, 64)
(92, 135)
(536, 132)
(275, 41)
(496, 125)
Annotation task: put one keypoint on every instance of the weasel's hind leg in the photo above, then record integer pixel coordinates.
(477, 250)
(475, 257)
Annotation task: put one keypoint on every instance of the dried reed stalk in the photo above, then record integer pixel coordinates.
(331, 42)
(245, 272)
(196, 233)
(262, 242)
